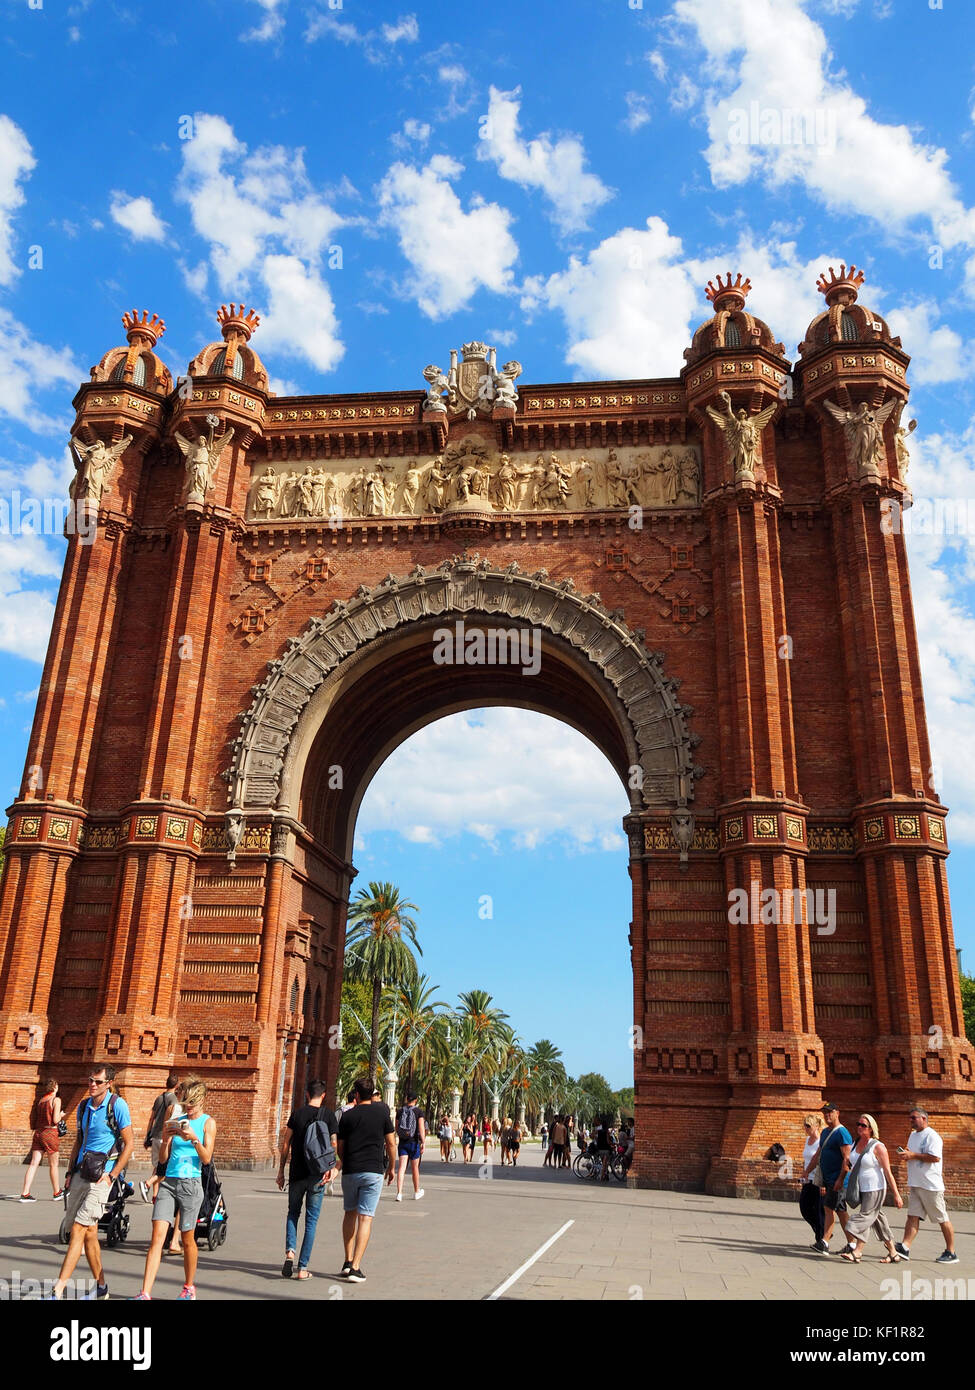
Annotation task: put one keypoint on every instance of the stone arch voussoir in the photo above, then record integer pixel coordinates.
(463, 585)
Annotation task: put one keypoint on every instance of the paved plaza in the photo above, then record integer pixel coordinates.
(471, 1234)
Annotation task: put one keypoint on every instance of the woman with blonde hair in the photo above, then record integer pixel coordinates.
(188, 1141)
(46, 1140)
(868, 1159)
(811, 1193)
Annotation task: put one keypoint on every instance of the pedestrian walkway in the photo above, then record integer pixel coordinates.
(473, 1232)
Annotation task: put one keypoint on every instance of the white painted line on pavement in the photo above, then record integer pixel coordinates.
(528, 1263)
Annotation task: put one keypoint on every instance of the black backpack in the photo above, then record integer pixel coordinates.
(320, 1157)
(406, 1125)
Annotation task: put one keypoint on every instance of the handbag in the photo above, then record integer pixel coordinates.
(62, 1127)
(816, 1177)
(853, 1182)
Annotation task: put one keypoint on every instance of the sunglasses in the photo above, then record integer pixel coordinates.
(98, 1081)
(862, 1125)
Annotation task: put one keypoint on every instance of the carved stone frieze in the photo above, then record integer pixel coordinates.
(336, 490)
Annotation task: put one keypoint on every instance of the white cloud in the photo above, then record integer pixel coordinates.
(458, 775)
(271, 24)
(453, 253)
(938, 353)
(413, 130)
(769, 56)
(658, 64)
(943, 590)
(627, 306)
(405, 29)
(554, 167)
(637, 111)
(16, 163)
(30, 562)
(454, 74)
(28, 367)
(269, 233)
(137, 216)
(376, 44)
(300, 319)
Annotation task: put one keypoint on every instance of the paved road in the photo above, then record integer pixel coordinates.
(472, 1232)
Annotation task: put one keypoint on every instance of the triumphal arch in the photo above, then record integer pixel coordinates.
(714, 569)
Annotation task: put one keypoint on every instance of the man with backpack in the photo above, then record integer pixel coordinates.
(411, 1132)
(102, 1147)
(310, 1137)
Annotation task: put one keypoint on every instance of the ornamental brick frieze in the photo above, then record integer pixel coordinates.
(902, 828)
(465, 585)
(670, 588)
(772, 828)
(37, 825)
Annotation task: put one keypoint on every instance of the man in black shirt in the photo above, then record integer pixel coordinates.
(366, 1146)
(303, 1186)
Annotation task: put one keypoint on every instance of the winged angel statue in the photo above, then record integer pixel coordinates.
(742, 433)
(96, 463)
(202, 456)
(864, 432)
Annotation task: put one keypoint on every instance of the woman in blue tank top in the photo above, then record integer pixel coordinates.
(187, 1144)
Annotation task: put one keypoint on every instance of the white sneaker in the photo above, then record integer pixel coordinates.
(399, 1196)
(418, 1195)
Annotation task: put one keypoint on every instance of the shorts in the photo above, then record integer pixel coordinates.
(361, 1192)
(47, 1140)
(410, 1148)
(924, 1202)
(86, 1202)
(514, 1148)
(184, 1193)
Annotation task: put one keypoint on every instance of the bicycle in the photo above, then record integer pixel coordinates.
(586, 1165)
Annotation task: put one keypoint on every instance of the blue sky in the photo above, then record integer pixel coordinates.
(560, 179)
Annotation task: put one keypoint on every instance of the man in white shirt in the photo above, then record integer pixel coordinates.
(925, 1178)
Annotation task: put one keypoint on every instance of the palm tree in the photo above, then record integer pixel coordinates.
(415, 1011)
(376, 953)
(483, 1035)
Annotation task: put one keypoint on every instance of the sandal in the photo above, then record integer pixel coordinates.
(850, 1259)
(891, 1260)
(303, 1274)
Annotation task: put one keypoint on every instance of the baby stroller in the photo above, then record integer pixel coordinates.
(211, 1224)
(114, 1221)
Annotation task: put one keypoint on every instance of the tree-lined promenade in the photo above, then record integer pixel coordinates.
(459, 1058)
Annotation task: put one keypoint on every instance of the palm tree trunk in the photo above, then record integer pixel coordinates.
(377, 990)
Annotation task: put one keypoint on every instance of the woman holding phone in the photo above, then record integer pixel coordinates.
(187, 1144)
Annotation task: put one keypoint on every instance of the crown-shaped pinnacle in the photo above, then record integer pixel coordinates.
(237, 319)
(737, 288)
(136, 328)
(848, 280)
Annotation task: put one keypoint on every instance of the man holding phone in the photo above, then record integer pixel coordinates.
(925, 1178)
(104, 1130)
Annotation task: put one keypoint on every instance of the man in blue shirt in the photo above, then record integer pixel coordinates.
(834, 1149)
(104, 1127)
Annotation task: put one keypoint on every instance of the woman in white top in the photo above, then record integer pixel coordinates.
(873, 1178)
(811, 1194)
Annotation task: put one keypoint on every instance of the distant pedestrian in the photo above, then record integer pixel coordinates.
(157, 1117)
(543, 1136)
(560, 1135)
(187, 1144)
(365, 1138)
(445, 1133)
(45, 1141)
(306, 1187)
(411, 1132)
(468, 1138)
(102, 1147)
(833, 1153)
(869, 1167)
(604, 1146)
(514, 1143)
(811, 1193)
(925, 1178)
(487, 1136)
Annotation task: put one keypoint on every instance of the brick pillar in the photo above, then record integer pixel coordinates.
(919, 1049)
(774, 1057)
